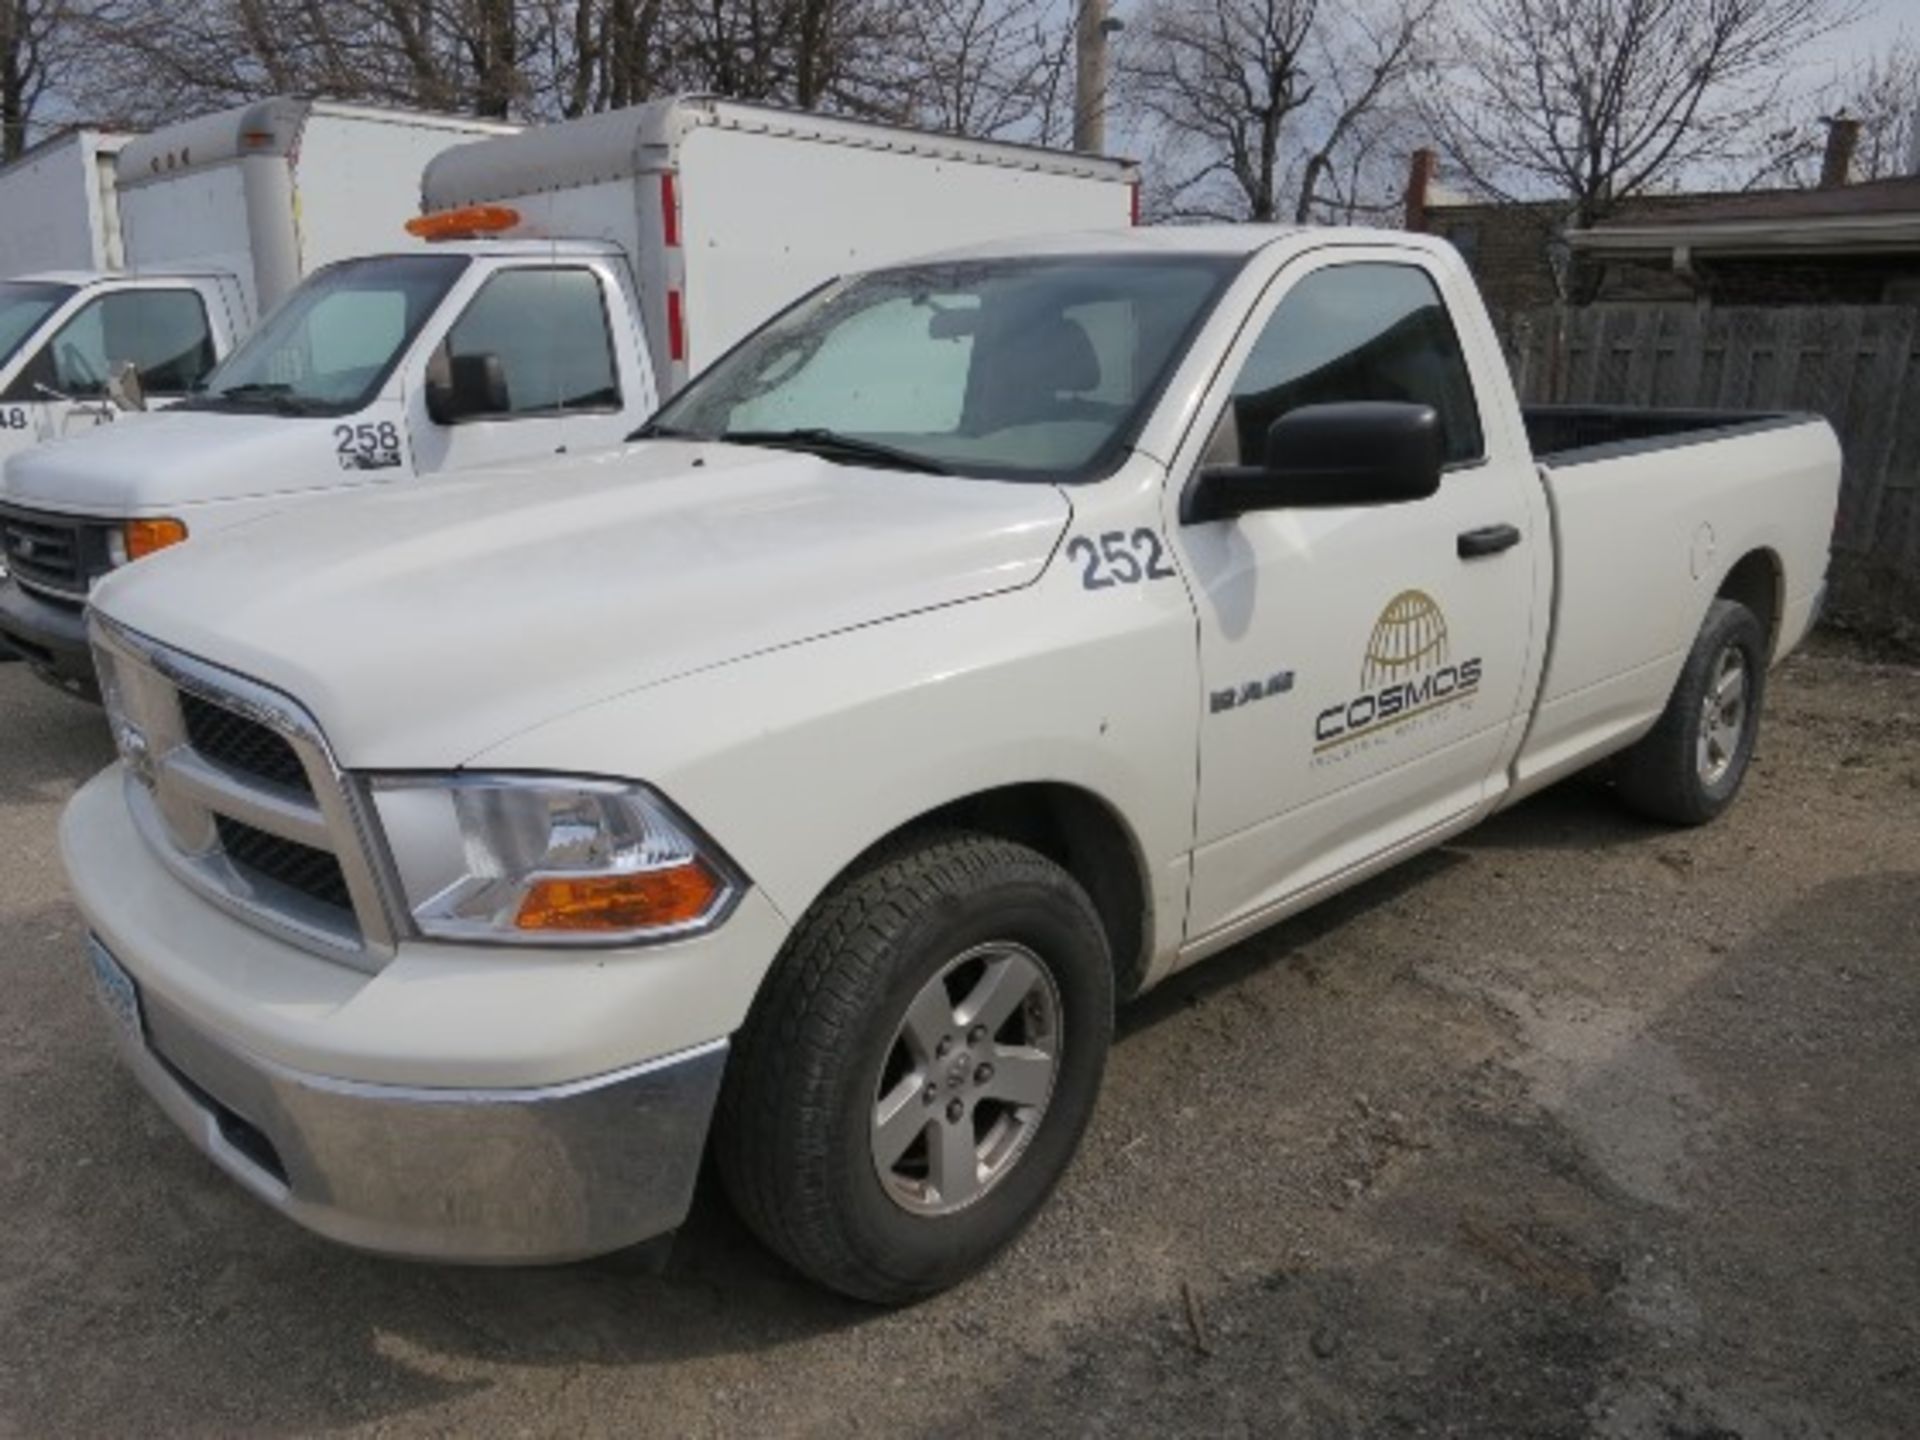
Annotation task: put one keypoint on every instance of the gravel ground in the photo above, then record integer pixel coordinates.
(1574, 1127)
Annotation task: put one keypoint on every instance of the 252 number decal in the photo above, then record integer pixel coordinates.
(367, 447)
(1120, 558)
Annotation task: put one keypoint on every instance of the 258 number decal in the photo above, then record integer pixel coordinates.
(14, 418)
(1120, 558)
(367, 447)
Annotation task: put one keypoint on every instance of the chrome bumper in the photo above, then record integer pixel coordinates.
(482, 1176)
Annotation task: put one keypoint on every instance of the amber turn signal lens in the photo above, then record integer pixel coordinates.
(643, 900)
(144, 537)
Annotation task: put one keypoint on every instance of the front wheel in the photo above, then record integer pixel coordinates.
(919, 1067)
(1688, 768)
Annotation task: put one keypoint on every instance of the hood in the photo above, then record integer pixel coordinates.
(170, 461)
(424, 623)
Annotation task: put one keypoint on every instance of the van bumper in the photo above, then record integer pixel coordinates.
(50, 636)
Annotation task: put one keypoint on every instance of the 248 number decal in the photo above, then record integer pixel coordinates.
(14, 418)
(1120, 558)
(367, 447)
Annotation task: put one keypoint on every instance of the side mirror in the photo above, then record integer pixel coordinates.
(1359, 452)
(125, 388)
(460, 387)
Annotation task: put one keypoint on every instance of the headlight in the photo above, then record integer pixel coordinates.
(545, 860)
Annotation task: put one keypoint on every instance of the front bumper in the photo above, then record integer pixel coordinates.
(50, 637)
(480, 1176)
(484, 1106)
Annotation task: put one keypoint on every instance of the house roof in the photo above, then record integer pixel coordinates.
(1875, 216)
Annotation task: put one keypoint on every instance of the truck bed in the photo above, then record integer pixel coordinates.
(1562, 435)
(1647, 507)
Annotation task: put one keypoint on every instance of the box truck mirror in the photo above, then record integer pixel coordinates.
(124, 387)
(466, 387)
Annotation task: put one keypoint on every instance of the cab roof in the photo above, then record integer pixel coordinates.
(1166, 240)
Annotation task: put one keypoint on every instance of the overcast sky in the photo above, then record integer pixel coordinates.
(1881, 23)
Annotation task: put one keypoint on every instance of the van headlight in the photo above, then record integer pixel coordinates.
(548, 860)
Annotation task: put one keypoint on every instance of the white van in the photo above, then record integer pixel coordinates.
(580, 273)
(208, 224)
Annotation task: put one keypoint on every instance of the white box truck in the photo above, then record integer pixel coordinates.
(209, 224)
(580, 273)
(58, 206)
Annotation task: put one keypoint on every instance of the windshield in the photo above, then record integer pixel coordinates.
(23, 305)
(331, 345)
(1037, 367)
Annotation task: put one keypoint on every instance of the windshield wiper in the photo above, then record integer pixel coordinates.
(832, 445)
(276, 394)
(654, 430)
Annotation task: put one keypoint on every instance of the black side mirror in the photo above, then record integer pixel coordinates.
(1359, 452)
(460, 387)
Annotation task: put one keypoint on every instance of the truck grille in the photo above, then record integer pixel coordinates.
(234, 787)
(246, 746)
(299, 868)
(49, 553)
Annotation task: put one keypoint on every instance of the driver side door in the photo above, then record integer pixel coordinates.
(547, 327)
(1361, 675)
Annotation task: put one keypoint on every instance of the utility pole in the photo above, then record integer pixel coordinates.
(1091, 29)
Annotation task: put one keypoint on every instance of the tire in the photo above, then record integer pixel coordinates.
(1689, 767)
(850, 1019)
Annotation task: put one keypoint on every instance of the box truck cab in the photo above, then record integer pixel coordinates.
(205, 226)
(67, 337)
(577, 275)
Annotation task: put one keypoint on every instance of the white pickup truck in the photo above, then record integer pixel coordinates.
(983, 640)
(581, 272)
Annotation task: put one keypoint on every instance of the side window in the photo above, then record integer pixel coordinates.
(1366, 331)
(549, 330)
(164, 333)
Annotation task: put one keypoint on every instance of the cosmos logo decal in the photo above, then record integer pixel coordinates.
(1408, 670)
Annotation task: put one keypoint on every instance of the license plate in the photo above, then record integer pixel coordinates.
(116, 989)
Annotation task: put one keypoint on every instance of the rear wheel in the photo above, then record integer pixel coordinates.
(1689, 767)
(920, 1066)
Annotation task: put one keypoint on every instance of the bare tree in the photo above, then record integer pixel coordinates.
(38, 50)
(987, 67)
(1366, 65)
(1225, 78)
(1597, 101)
(1257, 108)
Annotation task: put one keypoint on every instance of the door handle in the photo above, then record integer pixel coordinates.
(1487, 540)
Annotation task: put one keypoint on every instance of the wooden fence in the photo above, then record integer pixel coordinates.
(1858, 365)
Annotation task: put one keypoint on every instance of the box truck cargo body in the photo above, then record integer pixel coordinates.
(58, 208)
(273, 190)
(728, 212)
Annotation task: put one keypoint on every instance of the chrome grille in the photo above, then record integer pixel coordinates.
(235, 789)
(307, 872)
(247, 746)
